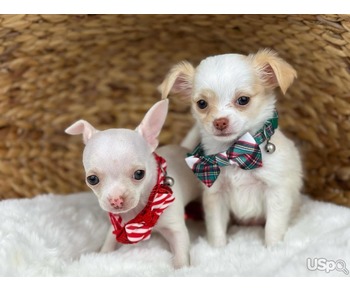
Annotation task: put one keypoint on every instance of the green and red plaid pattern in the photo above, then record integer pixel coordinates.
(245, 152)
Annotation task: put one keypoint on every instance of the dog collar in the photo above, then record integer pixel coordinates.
(245, 153)
(140, 227)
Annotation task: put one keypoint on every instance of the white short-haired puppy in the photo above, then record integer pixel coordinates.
(247, 166)
(132, 182)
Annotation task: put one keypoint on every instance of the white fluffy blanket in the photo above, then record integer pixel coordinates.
(53, 235)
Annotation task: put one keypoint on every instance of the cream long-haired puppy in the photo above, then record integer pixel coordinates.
(248, 167)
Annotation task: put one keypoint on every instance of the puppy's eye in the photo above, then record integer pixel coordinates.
(139, 174)
(243, 100)
(202, 104)
(92, 180)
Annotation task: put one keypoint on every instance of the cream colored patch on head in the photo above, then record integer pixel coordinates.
(206, 114)
(221, 80)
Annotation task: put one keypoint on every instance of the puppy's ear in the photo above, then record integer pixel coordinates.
(179, 80)
(82, 127)
(273, 70)
(153, 122)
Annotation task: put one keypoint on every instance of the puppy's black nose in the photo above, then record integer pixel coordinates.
(221, 123)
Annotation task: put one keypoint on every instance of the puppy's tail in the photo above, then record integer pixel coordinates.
(192, 138)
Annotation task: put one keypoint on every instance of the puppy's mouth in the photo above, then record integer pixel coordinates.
(223, 134)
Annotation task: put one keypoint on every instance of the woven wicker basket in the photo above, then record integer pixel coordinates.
(56, 69)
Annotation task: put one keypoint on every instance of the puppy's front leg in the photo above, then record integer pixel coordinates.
(110, 243)
(216, 217)
(280, 203)
(179, 242)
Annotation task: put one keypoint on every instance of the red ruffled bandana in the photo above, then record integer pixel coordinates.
(140, 227)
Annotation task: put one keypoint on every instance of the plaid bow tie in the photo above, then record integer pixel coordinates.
(245, 153)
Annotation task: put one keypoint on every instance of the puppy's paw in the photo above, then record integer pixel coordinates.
(271, 241)
(108, 246)
(180, 262)
(217, 241)
(106, 249)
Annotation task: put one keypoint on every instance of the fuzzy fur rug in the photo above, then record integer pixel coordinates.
(53, 235)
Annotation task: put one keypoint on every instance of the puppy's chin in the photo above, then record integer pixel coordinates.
(225, 137)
